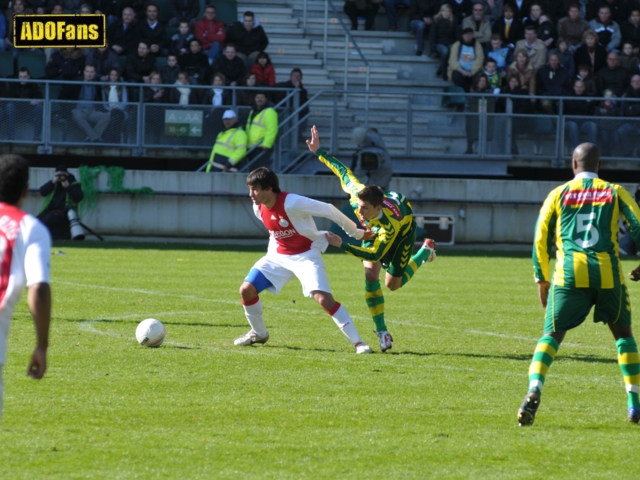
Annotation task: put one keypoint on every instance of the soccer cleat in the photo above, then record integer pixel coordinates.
(386, 340)
(527, 412)
(634, 415)
(362, 348)
(431, 246)
(250, 338)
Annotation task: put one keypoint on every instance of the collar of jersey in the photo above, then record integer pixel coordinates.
(585, 175)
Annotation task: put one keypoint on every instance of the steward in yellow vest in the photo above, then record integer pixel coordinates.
(262, 124)
(231, 144)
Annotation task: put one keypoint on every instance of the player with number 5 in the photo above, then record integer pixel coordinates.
(390, 217)
(581, 219)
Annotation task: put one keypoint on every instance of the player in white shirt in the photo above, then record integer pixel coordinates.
(25, 246)
(295, 248)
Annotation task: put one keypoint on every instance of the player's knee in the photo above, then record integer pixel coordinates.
(393, 283)
(325, 300)
(370, 275)
(248, 292)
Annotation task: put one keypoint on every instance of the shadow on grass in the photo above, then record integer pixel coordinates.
(517, 357)
(300, 349)
(119, 245)
(135, 322)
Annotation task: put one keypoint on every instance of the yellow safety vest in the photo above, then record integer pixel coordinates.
(263, 128)
(231, 143)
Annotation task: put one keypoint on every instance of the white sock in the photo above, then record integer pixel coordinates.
(253, 312)
(343, 320)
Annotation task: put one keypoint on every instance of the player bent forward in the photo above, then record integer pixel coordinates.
(25, 247)
(390, 217)
(584, 214)
(295, 248)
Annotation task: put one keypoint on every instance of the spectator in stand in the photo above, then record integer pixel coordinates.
(91, 120)
(566, 57)
(502, 55)
(493, 9)
(109, 8)
(443, 34)
(151, 30)
(608, 110)
(169, 71)
(122, 35)
(104, 60)
(478, 23)
(534, 48)
(390, 8)
(66, 64)
(37, 6)
(579, 106)
(608, 31)
(139, 8)
(630, 29)
(295, 81)
(361, 8)
(264, 71)
(57, 9)
(421, 15)
(115, 100)
(231, 66)
(230, 147)
(461, 9)
(31, 110)
(180, 41)
(586, 75)
(493, 75)
(72, 6)
(629, 59)
(182, 93)
(572, 27)
(184, 11)
(154, 93)
(554, 9)
(547, 32)
(619, 8)
(195, 63)
(86, 9)
(262, 128)
(591, 53)
(245, 97)
(533, 19)
(518, 107)
(248, 38)
(154, 115)
(480, 85)
(216, 99)
(139, 65)
(552, 80)
(628, 133)
(525, 72)
(465, 59)
(612, 77)
(521, 9)
(17, 7)
(211, 33)
(508, 27)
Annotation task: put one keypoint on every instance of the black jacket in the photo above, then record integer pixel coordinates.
(127, 39)
(600, 60)
(444, 32)
(418, 9)
(619, 10)
(546, 31)
(155, 36)
(631, 109)
(520, 105)
(196, 65)
(65, 65)
(185, 9)
(616, 80)
(460, 11)
(206, 98)
(278, 96)
(59, 199)
(148, 96)
(233, 70)
(522, 12)
(247, 42)
(108, 7)
(137, 67)
(552, 82)
(630, 32)
(577, 105)
(516, 32)
(103, 62)
(29, 90)
(71, 91)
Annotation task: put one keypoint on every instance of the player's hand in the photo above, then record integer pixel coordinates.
(543, 293)
(38, 364)
(314, 144)
(368, 234)
(333, 239)
(635, 274)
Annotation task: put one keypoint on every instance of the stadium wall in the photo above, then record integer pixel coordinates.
(190, 204)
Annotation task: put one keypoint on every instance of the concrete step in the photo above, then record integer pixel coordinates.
(291, 50)
(288, 41)
(278, 31)
(259, 9)
(295, 61)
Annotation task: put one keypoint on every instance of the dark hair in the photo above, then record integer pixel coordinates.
(146, 42)
(219, 75)
(490, 60)
(530, 27)
(246, 77)
(231, 45)
(151, 4)
(296, 70)
(507, 6)
(263, 55)
(184, 21)
(248, 13)
(210, 6)
(265, 178)
(194, 40)
(14, 177)
(573, 5)
(372, 194)
(496, 36)
(89, 64)
(24, 69)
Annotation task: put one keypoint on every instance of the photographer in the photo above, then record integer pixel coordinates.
(62, 192)
(371, 161)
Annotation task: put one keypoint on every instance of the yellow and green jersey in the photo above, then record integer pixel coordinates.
(582, 217)
(394, 223)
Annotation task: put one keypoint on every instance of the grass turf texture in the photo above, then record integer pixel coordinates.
(442, 404)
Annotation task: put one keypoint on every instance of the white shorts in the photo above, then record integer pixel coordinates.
(308, 267)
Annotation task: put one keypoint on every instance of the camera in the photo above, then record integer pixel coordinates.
(62, 177)
(77, 232)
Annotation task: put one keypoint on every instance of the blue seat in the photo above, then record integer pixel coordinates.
(454, 100)
(6, 64)
(36, 62)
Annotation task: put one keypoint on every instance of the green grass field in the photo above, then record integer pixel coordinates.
(442, 404)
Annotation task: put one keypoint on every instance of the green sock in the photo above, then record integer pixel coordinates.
(629, 362)
(542, 357)
(375, 302)
(415, 263)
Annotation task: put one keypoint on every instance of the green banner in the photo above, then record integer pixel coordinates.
(183, 123)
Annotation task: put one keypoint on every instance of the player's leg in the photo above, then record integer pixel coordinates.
(375, 303)
(566, 309)
(402, 268)
(341, 318)
(253, 284)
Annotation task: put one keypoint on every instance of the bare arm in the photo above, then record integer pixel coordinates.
(39, 300)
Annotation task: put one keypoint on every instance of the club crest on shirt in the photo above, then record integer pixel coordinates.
(283, 223)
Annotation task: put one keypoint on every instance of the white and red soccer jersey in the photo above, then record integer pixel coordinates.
(25, 246)
(292, 229)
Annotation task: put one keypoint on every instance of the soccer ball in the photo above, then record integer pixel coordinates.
(150, 332)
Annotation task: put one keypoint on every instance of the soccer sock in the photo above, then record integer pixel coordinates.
(629, 362)
(543, 356)
(343, 320)
(253, 312)
(415, 263)
(375, 302)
